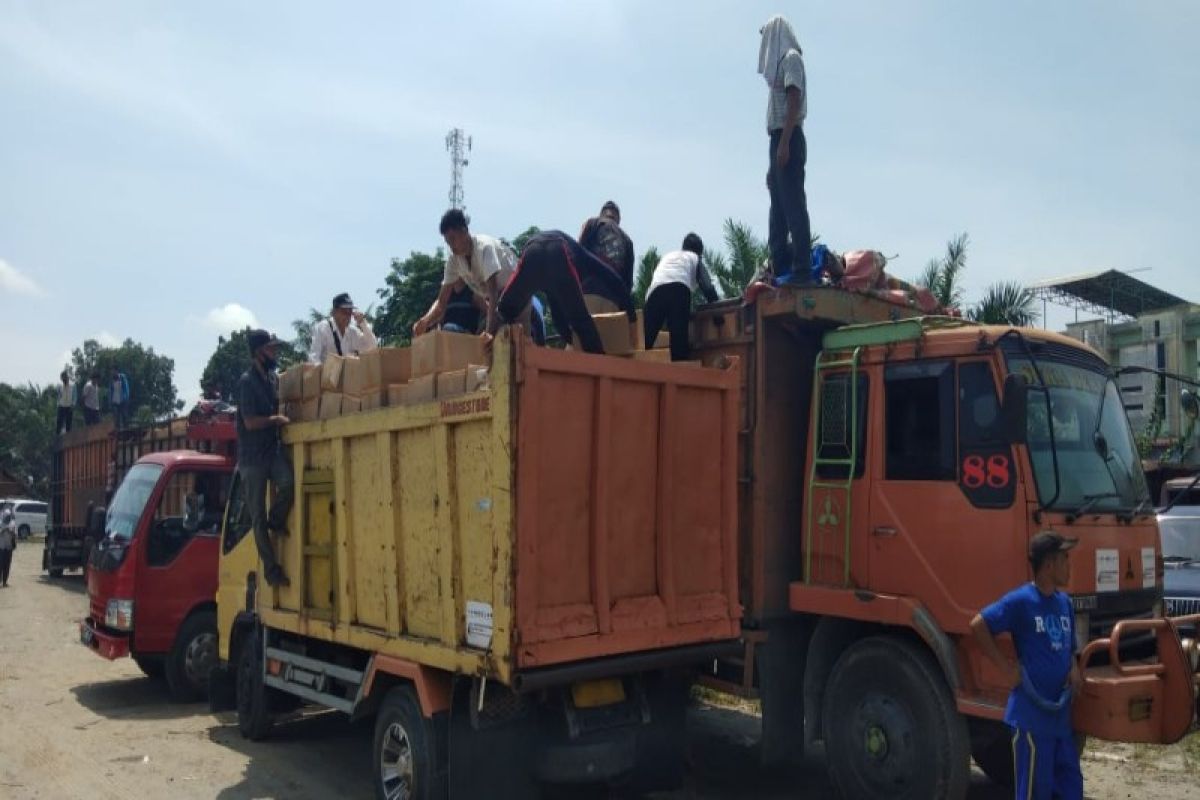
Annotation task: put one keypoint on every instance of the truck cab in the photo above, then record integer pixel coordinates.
(152, 578)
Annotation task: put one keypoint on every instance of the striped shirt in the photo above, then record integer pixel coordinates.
(791, 73)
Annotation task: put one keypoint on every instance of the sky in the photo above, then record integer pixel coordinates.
(171, 172)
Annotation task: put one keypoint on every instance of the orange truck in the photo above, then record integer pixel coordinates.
(891, 473)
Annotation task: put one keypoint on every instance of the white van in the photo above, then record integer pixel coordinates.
(29, 516)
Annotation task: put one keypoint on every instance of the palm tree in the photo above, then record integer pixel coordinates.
(645, 273)
(746, 254)
(1005, 303)
(943, 276)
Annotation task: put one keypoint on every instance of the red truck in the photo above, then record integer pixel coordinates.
(152, 573)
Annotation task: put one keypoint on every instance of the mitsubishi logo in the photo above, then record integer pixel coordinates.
(829, 513)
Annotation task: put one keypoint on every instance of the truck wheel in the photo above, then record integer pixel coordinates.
(151, 666)
(253, 706)
(406, 758)
(23, 532)
(890, 725)
(55, 572)
(662, 745)
(192, 657)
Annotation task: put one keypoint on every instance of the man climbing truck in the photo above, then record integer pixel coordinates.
(514, 581)
(891, 474)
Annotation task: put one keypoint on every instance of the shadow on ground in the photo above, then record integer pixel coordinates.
(76, 583)
(133, 698)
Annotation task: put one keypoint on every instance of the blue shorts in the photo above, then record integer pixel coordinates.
(1046, 767)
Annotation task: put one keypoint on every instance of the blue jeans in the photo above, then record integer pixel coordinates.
(789, 209)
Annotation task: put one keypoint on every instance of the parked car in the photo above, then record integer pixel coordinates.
(1179, 529)
(30, 515)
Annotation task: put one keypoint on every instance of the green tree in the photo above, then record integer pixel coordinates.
(943, 276)
(522, 238)
(746, 253)
(27, 419)
(232, 358)
(1005, 303)
(409, 289)
(302, 341)
(645, 273)
(152, 393)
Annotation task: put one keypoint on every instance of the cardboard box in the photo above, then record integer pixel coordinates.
(312, 382)
(441, 351)
(397, 394)
(451, 384)
(385, 366)
(309, 410)
(354, 376)
(331, 374)
(421, 389)
(351, 404)
(657, 356)
(614, 330)
(291, 384)
(663, 340)
(374, 398)
(331, 405)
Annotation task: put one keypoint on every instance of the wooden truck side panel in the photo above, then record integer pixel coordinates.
(568, 512)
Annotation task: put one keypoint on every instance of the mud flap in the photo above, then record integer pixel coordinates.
(781, 685)
(491, 752)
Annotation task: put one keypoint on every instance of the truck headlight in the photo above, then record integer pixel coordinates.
(118, 615)
(1083, 630)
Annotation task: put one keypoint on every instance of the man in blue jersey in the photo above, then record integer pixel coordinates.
(1040, 619)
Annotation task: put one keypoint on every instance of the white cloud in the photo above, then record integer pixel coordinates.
(14, 281)
(230, 317)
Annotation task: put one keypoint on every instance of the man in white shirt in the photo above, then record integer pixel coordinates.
(91, 400)
(336, 336)
(483, 263)
(669, 298)
(782, 67)
(66, 403)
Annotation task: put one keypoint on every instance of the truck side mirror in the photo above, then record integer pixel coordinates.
(1015, 409)
(1190, 404)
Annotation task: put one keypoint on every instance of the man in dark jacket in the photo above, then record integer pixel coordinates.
(603, 237)
(554, 263)
(261, 457)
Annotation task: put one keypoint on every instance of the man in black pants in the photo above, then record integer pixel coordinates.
(669, 298)
(554, 263)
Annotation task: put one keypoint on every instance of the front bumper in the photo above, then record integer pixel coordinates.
(101, 642)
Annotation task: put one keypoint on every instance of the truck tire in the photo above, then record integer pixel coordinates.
(406, 760)
(192, 657)
(890, 725)
(23, 532)
(253, 704)
(151, 666)
(55, 572)
(662, 744)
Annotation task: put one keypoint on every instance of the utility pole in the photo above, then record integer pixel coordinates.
(458, 144)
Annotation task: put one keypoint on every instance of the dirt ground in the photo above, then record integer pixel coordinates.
(75, 726)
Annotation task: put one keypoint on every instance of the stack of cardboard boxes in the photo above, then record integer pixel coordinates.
(615, 332)
(438, 365)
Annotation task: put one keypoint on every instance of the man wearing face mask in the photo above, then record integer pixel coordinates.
(337, 335)
(261, 457)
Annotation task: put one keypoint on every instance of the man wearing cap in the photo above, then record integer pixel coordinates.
(337, 336)
(603, 237)
(1041, 621)
(261, 457)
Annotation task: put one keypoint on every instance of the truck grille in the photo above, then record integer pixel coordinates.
(1178, 606)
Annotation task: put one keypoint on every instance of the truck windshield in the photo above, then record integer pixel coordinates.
(128, 503)
(1098, 464)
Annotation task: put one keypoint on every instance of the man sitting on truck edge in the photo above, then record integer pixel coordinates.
(337, 335)
(261, 456)
(603, 237)
(483, 263)
(1040, 619)
(554, 263)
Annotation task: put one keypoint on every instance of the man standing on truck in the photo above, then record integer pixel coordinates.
(261, 457)
(91, 400)
(1040, 619)
(554, 263)
(603, 237)
(782, 67)
(118, 398)
(66, 403)
(669, 298)
(337, 335)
